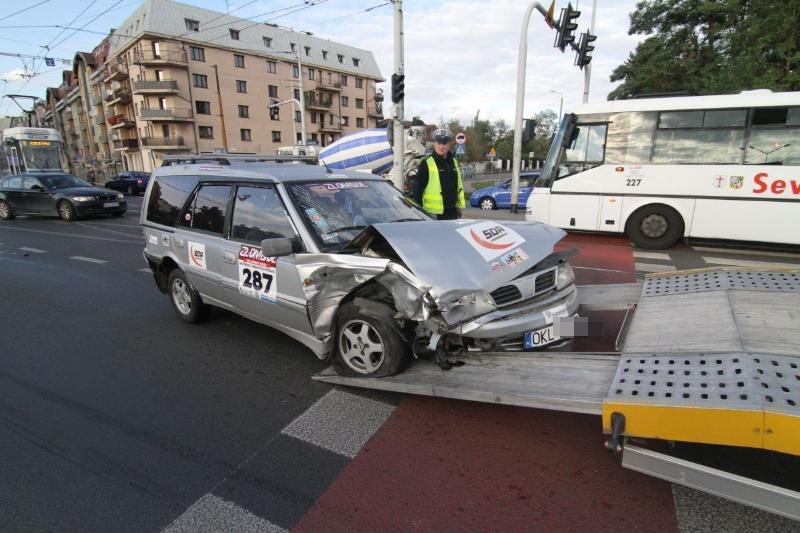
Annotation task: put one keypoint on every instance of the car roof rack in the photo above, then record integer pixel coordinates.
(228, 159)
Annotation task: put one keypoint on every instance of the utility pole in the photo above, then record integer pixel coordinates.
(221, 110)
(587, 72)
(399, 148)
(302, 103)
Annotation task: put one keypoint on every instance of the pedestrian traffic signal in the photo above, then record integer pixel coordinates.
(398, 87)
(585, 47)
(566, 27)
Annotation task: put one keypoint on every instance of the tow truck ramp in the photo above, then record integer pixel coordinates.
(708, 356)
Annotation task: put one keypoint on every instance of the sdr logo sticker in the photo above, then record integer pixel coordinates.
(197, 255)
(490, 239)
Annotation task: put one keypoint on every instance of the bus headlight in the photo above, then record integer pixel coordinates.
(565, 276)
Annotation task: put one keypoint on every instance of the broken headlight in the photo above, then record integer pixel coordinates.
(565, 276)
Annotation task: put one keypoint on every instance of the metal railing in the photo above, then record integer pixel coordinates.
(117, 71)
(374, 111)
(330, 85)
(126, 143)
(318, 102)
(168, 113)
(162, 141)
(152, 85)
(163, 56)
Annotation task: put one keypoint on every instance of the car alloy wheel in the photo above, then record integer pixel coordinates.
(5, 211)
(487, 204)
(181, 296)
(361, 346)
(66, 211)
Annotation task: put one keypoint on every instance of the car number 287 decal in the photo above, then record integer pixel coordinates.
(257, 274)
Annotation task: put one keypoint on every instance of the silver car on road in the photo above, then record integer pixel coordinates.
(348, 266)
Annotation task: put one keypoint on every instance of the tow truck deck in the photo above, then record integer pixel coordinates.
(707, 356)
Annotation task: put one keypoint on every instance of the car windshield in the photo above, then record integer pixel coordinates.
(63, 181)
(337, 211)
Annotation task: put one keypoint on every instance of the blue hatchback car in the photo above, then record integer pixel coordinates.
(499, 195)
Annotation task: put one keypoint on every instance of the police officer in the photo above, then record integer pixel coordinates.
(438, 187)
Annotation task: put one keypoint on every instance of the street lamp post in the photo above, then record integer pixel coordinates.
(560, 106)
(296, 102)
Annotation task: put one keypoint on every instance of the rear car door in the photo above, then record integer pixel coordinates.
(266, 289)
(14, 193)
(200, 242)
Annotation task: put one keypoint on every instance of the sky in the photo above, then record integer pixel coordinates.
(460, 56)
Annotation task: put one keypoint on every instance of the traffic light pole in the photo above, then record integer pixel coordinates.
(399, 144)
(587, 71)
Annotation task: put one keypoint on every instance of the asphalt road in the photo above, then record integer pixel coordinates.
(116, 416)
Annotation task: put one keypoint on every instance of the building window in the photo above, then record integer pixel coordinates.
(297, 116)
(324, 54)
(267, 42)
(234, 34)
(238, 61)
(343, 79)
(200, 80)
(340, 57)
(292, 46)
(310, 73)
(359, 123)
(273, 91)
(244, 111)
(359, 83)
(313, 117)
(297, 94)
(295, 71)
(202, 108)
(356, 61)
(198, 54)
(345, 121)
(241, 86)
(308, 50)
(359, 103)
(275, 113)
(330, 120)
(276, 136)
(192, 25)
(272, 67)
(205, 132)
(245, 134)
(345, 101)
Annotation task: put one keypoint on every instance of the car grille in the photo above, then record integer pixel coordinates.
(508, 294)
(106, 197)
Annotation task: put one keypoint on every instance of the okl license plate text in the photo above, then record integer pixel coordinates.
(540, 337)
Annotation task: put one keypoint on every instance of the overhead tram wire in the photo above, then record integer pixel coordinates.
(188, 32)
(115, 4)
(350, 15)
(24, 10)
(306, 5)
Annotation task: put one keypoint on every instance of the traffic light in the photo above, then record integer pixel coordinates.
(566, 27)
(528, 130)
(585, 47)
(398, 87)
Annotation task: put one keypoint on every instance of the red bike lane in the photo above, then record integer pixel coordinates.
(450, 465)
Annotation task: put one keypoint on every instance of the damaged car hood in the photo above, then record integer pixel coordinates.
(456, 257)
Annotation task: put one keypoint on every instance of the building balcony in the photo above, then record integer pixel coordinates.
(96, 100)
(118, 96)
(119, 121)
(165, 115)
(148, 58)
(375, 111)
(318, 103)
(164, 143)
(155, 87)
(99, 119)
(329, 86)
(126, 144)
(335, 128)
(116, 72)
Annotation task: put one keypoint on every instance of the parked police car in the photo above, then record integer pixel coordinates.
(347, 265)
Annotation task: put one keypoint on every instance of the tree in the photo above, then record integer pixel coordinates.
(712, 47)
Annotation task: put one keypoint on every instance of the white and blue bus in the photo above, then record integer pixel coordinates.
(660, 169)
(32, 150)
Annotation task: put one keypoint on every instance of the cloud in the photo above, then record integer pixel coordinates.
(13, 74)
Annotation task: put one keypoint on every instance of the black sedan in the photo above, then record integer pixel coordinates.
(130, 182)
(63, 195)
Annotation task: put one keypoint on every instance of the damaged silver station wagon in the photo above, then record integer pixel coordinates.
(347, 265)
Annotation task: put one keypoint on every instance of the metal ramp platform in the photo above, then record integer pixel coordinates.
(709, 356)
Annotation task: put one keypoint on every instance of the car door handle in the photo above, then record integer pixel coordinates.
(228, 257)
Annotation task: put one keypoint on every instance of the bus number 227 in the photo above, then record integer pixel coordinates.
(633, 182)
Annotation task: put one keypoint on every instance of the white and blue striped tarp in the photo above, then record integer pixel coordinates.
(365, 150)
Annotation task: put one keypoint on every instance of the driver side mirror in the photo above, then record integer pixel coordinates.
(37, 188)
(276, 247)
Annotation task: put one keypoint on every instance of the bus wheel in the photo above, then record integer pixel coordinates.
(655, 226)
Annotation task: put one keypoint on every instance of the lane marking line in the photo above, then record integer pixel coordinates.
(137, 241)
(652, 255)
(649, 267)
(741, 262)
(88, 259)
(603, 269)
(33, 250)
(745, 252)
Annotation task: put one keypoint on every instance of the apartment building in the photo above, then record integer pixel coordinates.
(174, 78)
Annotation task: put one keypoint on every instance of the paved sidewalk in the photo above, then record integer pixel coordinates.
(496, 214)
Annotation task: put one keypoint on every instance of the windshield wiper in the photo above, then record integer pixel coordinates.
(344, 228)
(408, 220)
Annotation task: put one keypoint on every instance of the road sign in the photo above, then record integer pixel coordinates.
(461, 149)
(461, 138)
(530, 155)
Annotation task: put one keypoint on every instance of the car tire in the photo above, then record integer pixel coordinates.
(654, 227)
(368, 342)
(5, 211)
(184, 298)
(487, 203)
(65, 211)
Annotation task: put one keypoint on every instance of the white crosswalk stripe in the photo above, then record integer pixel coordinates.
(651, 255)
(723, 261)
(795, 256)
(33, 250)
(650, 267)
(211, 513)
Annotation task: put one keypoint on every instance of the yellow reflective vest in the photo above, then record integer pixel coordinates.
(432, 200)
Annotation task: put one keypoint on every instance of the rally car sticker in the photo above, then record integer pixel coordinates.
(258, 276)
(497, 266)
(152, 239)
(514, 258)
(341, 185)
(165, 240)
(491, 239)
(197, 255)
